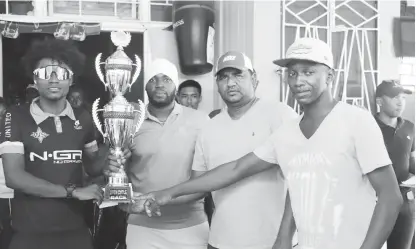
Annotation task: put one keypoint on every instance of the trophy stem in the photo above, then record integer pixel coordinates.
(118, 188)
(119, 178)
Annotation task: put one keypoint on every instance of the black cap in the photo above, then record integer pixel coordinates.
(390, 88)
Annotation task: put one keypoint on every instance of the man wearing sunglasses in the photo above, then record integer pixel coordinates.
(44, 147)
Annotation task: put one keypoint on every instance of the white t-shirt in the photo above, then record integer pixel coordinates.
(5, 192)
(248, 213)
(331, 196)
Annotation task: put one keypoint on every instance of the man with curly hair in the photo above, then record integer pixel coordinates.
(44, 146)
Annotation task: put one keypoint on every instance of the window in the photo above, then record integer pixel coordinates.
(407, 73)
(143, 10)
(126, 9)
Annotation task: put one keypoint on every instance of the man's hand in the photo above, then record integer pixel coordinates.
(91, 192)
(154, 200)
(116, 161)
(136, 207)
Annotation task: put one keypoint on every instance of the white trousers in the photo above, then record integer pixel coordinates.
(195, 237)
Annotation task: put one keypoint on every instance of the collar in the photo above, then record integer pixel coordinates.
(39, 116)
(177, 109)
(400, 122)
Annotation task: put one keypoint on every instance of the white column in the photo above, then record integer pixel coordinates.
(144, 10)
(234, 31)
(266, 47)
(40, 7)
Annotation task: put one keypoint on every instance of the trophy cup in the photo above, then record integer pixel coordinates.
(121, 120)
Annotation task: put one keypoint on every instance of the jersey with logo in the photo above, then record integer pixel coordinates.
(52, 153)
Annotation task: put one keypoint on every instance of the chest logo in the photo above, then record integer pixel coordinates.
(39, 135)
(77, 126)
(408, 137)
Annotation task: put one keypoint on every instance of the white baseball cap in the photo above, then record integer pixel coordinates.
(234, 59)
(308, 49)
(162, 66)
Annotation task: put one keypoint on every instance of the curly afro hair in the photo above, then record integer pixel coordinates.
(59, 50)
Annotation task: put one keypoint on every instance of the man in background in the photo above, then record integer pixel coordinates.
(31, 93)
(189, 94)
(77, 98)
(399, 137)
(6, 194)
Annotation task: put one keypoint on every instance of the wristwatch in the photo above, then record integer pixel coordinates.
(69, 190)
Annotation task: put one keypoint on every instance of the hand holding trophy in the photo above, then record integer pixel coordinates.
(121, 120)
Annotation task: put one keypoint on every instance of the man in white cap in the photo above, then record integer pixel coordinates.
(342, 187)
(161, 157)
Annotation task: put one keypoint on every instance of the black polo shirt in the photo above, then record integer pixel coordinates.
(52, 147)
(400, 143)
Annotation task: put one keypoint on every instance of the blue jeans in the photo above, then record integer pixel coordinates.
(404, 230)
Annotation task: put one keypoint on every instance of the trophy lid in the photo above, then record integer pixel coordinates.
(119, 59)
(120, 39)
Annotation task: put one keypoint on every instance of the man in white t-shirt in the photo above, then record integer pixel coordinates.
(342, 187)
(245, 124)
(6, 194)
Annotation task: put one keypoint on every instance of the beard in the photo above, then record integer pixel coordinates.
(158, 102)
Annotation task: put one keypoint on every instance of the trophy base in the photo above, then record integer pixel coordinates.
(122, 193)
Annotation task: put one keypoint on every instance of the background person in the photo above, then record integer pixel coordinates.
(189, 94)
(31, 93)
(399, 137)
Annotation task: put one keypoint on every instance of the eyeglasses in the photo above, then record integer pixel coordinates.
(45, 73)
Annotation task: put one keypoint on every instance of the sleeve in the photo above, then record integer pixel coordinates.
(282, 114)
(267, 151)
(199, 163)
(91, 145)
(11, 133)
(370, 149)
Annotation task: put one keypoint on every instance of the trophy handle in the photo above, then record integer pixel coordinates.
(141, 116)
(98, 69)
(95, 118)
(137, 72)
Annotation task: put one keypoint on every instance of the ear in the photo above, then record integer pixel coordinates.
(331, 76)
(255, 80)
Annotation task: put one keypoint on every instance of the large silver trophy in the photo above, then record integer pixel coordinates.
(121, 119)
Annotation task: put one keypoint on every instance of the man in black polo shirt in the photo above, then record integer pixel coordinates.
(44, 145)
(399, 137)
